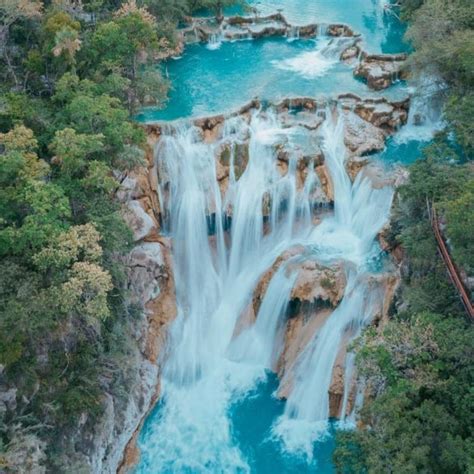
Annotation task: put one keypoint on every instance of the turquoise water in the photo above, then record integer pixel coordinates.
(214, 81)
(381, 32)
(404, 153)
(251, 421)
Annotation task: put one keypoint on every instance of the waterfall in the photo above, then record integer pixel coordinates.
(293, 33)
(425, 117)
(322, 29)
(211, 360)
(263, 341)
(214, 284)
(360, 212)
(316, 63)
(215, 41)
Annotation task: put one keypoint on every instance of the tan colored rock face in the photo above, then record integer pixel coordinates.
(380, 71)
(161, 310)
(355, 164)
(151, 285)
(299, 331)
(316, 282)
(317, 290)
(336, 389)
(361, 137)
(141, 223)
(326, 182)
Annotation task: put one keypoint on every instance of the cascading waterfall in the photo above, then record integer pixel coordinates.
(209, 363)
(293, 33)
(215, 41)
(425, 117)
(263, 341)
(316, 63)
(360, 212)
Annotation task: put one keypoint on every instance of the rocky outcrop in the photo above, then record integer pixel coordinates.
(318, 289)
(151, 290)
(361, 137)
(318, 284)
(299, 331)
(351, 53)
(381, 70)
(236, 28)
(381, 112)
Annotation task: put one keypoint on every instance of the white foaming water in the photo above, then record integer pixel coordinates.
(425, 117)
(215, 41)
(316, 63)
(214, 285)
(360, 212)
(207, 366)
(263, 341)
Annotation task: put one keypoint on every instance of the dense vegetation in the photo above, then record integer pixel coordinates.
(71, 75)
(419, 409)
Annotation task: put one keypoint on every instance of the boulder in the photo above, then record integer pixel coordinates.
(339, 29)
(317, 283)
(389, 116)
(146, 269)
(381, 70)
(362, 137)
(141, 223)
(350, 54)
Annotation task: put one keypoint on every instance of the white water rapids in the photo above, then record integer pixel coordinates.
(213, 358)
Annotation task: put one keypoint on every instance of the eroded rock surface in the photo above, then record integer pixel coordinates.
(245, 27)
(151, 292)
(381, 70)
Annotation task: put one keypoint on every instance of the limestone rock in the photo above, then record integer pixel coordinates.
(339, 29)
(380, 70)
(362, 137)
(318, 283)
(147, 268)
(336, 388)
(350, 54)
(141, 223)
(326, 182)
(383, 114)
(299, 331)
(354, 164)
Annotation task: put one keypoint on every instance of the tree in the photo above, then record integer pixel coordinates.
(72, 150)
(217, 6)
(421, 417)
(67, 43)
